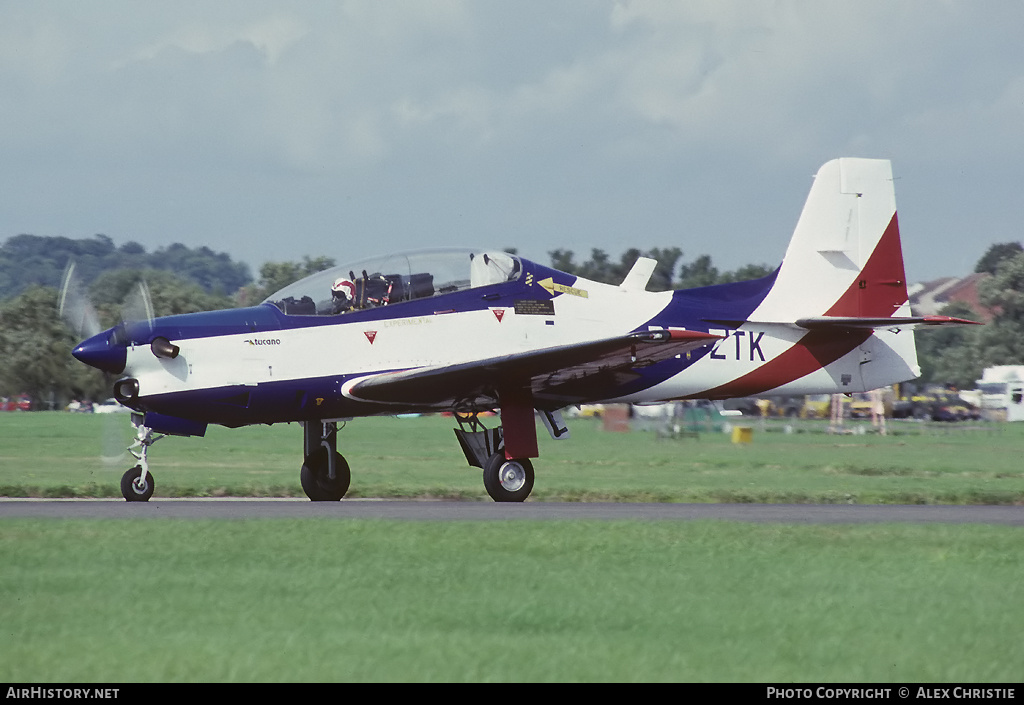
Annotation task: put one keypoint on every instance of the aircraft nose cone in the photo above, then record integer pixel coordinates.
(101, 352)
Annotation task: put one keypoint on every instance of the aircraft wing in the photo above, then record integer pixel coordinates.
(559, 375)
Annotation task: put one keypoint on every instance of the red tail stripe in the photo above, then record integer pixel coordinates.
(878, 291)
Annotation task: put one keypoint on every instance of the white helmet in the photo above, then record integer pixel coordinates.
(343, 289)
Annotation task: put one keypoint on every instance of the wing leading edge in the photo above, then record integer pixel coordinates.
(556, 376)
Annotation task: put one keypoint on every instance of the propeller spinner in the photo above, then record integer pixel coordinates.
(108, 350)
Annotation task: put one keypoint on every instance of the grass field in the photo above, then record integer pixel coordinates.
(323, 600)
(349, 600)
(60, 454)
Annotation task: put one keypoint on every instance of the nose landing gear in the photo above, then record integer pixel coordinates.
(137, 484)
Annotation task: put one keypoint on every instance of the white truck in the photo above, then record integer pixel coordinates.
(1002, 392)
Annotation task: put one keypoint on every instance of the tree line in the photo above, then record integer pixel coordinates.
(35, 343)
(27, 260)
(669, 274)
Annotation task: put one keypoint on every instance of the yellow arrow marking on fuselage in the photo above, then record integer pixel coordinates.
(553, 288)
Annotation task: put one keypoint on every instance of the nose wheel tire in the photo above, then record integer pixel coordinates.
(136, 489)
(508, 480)
(316, 479)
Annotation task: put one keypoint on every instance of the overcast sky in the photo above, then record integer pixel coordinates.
(272, 130)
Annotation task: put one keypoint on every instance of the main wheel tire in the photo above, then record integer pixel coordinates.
(134, 488)
(508, 480)
(316, 482)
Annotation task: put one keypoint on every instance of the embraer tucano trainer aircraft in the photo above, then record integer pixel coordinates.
(470, 331)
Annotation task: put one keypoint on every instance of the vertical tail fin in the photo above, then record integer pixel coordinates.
(843, 274)
(845, 257)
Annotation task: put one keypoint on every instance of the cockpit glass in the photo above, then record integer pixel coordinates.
(393, 279)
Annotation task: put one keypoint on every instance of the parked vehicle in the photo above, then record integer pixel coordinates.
(22, 402)
(934, 405)
(1002, 392)
(817, 406)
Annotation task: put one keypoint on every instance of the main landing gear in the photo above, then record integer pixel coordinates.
(505, 479)
(325, 474)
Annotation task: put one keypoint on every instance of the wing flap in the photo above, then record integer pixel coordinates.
(543, 371)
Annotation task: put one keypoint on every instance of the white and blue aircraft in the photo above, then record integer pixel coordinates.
(469, 331)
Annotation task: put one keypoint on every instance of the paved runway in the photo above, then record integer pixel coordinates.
(489, 511)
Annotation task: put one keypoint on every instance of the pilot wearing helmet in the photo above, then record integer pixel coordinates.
(343, 295)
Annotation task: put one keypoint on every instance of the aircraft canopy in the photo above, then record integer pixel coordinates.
(399, 277)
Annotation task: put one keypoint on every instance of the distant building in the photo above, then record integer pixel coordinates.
(927, 298)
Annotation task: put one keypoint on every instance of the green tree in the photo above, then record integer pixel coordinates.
(275, 276)
(115, 291)
(35, 352)
(700, 272)
(990, 261)
(662, 279)
(563, 261)
(215, 272)
(949, 354)
(600, 266)
(746, 273)
(26, 260)
(29, 259)
(1001, 342)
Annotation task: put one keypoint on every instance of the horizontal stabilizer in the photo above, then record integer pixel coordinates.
(861, 323)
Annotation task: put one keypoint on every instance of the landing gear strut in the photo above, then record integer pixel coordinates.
(505, 479)
(325, 474)
(137, 484)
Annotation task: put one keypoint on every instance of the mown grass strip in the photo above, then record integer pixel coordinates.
(322, 600)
